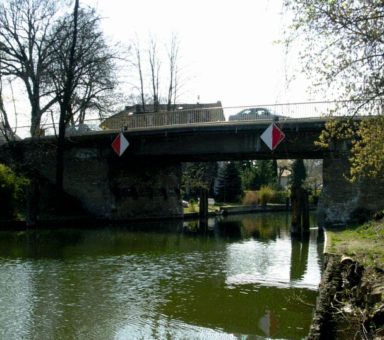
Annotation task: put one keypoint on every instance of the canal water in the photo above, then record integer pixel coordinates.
(242, 277)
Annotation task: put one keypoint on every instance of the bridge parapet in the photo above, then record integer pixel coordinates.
(127, 120)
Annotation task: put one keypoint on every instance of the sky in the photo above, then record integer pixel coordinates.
(228, 49)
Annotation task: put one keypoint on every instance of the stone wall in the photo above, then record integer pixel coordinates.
(145, 189)
(343, 202)
(112, 187)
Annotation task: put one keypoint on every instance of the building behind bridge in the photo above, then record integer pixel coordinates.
(135, 117)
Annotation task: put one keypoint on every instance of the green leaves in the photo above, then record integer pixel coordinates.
(11, 191)
(343, 49)
(367, 154)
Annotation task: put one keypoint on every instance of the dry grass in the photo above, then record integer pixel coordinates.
(251, 198)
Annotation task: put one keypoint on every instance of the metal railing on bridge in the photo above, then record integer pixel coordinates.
(222, 115)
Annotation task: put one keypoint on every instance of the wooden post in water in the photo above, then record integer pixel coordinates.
(300, 210)
(203, 208)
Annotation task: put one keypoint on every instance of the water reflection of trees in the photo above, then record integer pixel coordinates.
(263, 227)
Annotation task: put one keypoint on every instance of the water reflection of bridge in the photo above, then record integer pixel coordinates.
(266, 233)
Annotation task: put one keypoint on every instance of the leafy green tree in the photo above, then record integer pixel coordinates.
(197, 176)
(255, 174)
(342, 48)
(248, 173)
(228, 187)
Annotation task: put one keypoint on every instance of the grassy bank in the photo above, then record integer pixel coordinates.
(363, 243)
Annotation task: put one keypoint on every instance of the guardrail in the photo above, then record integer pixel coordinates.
(307, 110)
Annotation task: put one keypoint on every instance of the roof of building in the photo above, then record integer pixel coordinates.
(136, 110)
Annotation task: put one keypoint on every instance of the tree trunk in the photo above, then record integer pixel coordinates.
(65, 114)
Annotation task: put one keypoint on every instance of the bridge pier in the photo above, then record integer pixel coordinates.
(112, 187)
(342, 202)
(120, 189)
(144, 189)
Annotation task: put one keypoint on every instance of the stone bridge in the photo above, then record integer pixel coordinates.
(145, 181)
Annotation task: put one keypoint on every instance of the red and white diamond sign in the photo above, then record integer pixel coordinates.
(120, 144)
(272, 136)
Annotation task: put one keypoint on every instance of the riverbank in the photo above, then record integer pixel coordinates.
(235, 209)
(351, 294)
(78, 221)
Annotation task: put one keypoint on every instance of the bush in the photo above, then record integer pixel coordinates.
(193, 205)
(266, 194)
(251, 198)
(11, 192)
(279, 197)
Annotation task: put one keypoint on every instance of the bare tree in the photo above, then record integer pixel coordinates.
(173, 58)
(154, 63)
(341, 44)
(81, 72)
(5, 128)
(64, 92)
(26, 46)
(149, 69)
(138, 64)
(94, 90)
(92, 77)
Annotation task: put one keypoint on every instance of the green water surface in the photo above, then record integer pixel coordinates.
(243, 277)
